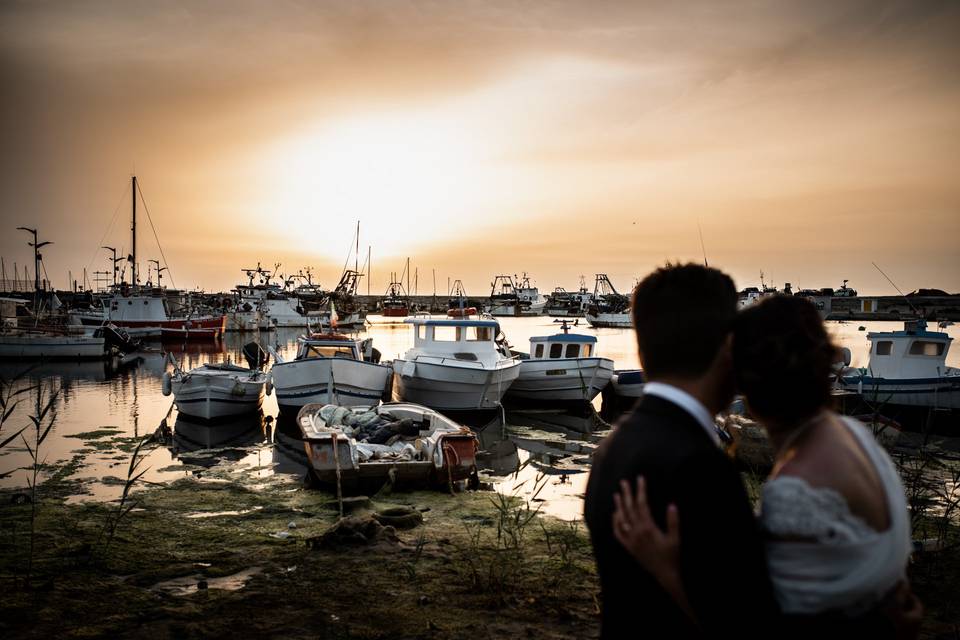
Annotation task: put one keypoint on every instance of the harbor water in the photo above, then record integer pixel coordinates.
(101, 411)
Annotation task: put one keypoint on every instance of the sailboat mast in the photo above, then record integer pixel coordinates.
(356, 253)
(133, 228)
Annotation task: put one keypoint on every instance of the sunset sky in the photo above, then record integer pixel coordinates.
(806, 139)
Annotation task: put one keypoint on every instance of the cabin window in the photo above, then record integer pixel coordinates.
(926, 348)
(330, 352)
(539, 351)
(442, 333)
(421, 332)
(556, 350)
(884, 348)
(479, 334)
(573, 350)
(586, 350)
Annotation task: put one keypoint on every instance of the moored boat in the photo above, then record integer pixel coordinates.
(403, 443)
(907, 367)
(330, 368)
(213, 391)
(608, 308)
(455, 365)
(562, 367)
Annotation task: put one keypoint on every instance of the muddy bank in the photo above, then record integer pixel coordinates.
(219, 556)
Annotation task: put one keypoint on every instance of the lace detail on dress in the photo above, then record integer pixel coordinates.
(791, 508)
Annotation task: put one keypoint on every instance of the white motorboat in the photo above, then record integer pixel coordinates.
(213, 391)
(561, 367)
(532, 303)
(907, 367)
(45, 345)
(330, 368)
(628, 383)
(455, 365)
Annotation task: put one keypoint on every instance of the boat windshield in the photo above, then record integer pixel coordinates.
(329, 351)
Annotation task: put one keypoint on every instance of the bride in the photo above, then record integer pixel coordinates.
(833, 511)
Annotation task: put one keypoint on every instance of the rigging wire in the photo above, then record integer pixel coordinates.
(155, 236)
(109, 227)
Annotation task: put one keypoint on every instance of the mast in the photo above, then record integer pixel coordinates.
(133, 228)
(356, 254)
(369, 270)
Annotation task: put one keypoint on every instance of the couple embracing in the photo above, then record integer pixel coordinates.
(679, 549)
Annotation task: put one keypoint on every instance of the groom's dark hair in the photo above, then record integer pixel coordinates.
(682, 313)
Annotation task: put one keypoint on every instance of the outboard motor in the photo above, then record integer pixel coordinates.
(118, 338)
(255, 356)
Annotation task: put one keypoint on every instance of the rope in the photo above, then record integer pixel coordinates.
(109, 227)
(155, 237)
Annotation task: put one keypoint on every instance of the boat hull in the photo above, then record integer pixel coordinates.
(334, 458)
(37, 347)
(937, 393)
(441, 384)
(610, 320)
(212, 325)
(628, 383)
(565, 379)
(210, 397)
(329, 381)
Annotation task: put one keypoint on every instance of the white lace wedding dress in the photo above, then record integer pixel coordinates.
(841, 563)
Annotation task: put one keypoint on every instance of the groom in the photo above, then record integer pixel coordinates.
(682, 315)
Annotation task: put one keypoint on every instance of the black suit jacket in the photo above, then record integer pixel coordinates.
(723, 564)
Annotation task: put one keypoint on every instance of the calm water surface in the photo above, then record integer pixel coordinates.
(100, 411)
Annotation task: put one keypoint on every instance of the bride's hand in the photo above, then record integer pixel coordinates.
(634, 527)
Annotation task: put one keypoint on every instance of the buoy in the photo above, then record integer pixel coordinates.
(269, 385)
(167, 386)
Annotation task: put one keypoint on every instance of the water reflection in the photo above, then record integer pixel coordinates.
(220, 442)
(103, 407)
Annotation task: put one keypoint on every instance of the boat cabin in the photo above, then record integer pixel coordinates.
(911, 353)
(134, 308)
(328, 346)
(562, 346)
(462, 339)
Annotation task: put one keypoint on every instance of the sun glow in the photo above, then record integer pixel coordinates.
(407, 178)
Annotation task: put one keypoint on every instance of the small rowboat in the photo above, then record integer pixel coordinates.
(462, 313)
(406, 444)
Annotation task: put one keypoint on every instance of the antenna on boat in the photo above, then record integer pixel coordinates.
(915, 310)
(702, 247)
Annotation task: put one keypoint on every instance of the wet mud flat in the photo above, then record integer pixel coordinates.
(224, 554)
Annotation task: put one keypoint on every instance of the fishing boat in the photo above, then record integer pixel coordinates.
(504, 301)
(213, 391)
(532, 303)
(143, 311)
(608, 308)
(562, 367)
(907, 367)
(45, 341)
(455, 365)
(330, 368)
(405, 444)
(458, 305)
(569, 304)
(394, 308)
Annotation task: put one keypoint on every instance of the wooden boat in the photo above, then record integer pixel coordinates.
(428, 448)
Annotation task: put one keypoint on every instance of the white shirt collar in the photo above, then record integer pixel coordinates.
(686, 402)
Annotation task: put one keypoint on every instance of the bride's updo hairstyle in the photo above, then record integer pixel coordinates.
(783, 359)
